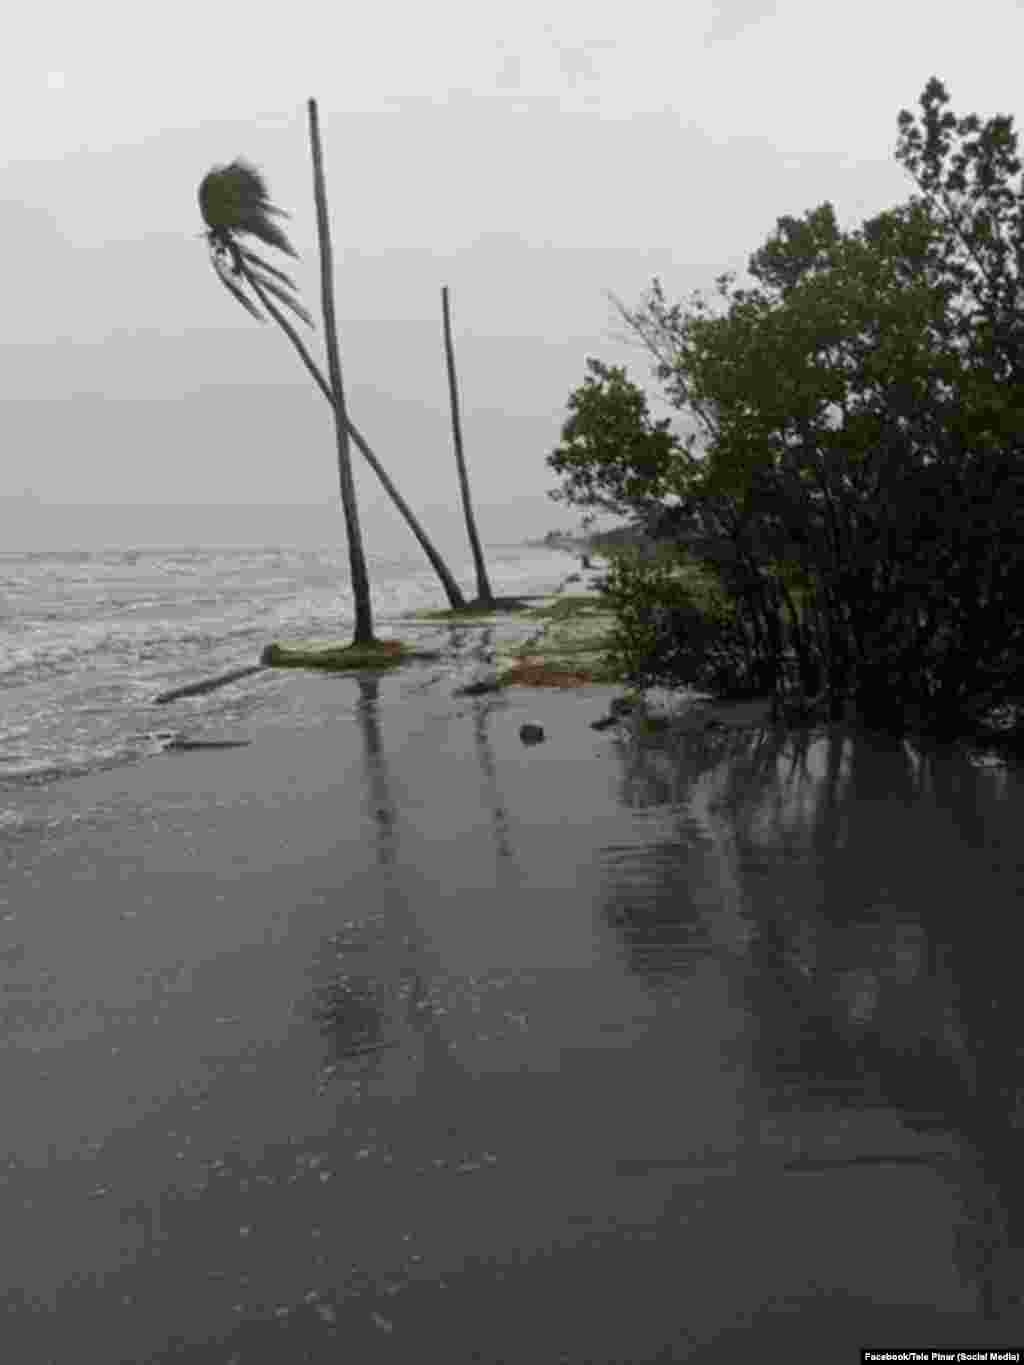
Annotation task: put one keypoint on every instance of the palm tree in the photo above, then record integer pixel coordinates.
(235, 203)
(357, 559)
(484, 595)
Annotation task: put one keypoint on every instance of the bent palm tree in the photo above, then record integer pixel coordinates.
(234, 202)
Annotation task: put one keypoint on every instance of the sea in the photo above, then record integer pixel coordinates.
(89, 639)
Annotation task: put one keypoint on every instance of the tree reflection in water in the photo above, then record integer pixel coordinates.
(386, 1005)
(879, 884)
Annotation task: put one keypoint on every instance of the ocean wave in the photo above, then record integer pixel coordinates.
(94, 637)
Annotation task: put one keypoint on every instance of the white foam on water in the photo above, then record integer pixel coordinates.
(90, 639)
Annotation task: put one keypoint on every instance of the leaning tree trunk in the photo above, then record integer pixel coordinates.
(357, 558)
(452, 589)
(483, 587)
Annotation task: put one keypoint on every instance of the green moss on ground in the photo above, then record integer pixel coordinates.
(476, 610)
(567, 607)
(534, 671)
(562, 649)
(544, 673)
(571, 606)
(346, 658)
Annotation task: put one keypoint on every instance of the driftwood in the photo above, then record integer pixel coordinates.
(180, 745)
(208, 685)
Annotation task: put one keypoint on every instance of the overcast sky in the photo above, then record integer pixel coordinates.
(532, 159)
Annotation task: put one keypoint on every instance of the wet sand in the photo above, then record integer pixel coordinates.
(331, 1048)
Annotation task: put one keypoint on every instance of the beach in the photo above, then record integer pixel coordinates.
(391, 1036)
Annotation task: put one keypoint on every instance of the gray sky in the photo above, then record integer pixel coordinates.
(531, 163)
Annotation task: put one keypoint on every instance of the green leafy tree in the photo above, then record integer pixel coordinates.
(613, 457)
(858, 490)
(676, 624)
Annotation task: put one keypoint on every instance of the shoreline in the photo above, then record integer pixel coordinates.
(348, 1037)
(537, 647)
(564, 652)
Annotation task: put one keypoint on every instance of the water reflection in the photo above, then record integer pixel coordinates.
(351, 1012)
(351, 1006)
(369, 998)
(749, 981)
(648, 901)
(862, 896)
(381, 804)
(483, 708)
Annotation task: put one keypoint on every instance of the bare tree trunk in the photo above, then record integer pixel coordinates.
(483, 587)
(452, 589)
(357, 558)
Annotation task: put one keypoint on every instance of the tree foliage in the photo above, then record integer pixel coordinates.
(859, 489)
(613, 456)
(674, 623)
(235, 203)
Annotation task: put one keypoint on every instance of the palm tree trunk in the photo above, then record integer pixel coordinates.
(483, 587)
(452, 589)
(357, 558)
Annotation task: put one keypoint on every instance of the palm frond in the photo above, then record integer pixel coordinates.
(223, 274)
(235, 200)
(252, 259)
(285, 296)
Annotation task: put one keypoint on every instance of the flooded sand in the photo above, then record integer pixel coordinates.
(395, 1038)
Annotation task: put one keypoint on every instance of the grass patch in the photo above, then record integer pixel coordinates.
(476, 610)
(345, 658)
(533, 674)
(558, 644)
(569, 607)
